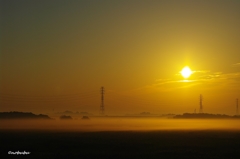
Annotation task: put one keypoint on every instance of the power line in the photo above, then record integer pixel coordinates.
(49, 96)
(56, 98)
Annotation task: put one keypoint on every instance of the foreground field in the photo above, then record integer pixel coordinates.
(121, 144)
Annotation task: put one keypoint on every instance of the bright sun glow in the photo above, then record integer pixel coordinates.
(186, 72)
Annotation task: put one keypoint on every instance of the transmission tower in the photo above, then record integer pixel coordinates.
(237, 106)
(102, 101)
(200, 103)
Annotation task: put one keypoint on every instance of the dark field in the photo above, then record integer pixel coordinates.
(122, 144)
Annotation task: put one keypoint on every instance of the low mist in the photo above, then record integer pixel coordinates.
(121, 124)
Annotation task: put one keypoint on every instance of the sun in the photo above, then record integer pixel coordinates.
(186, 72)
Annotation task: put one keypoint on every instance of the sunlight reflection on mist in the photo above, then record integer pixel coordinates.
(122, 124)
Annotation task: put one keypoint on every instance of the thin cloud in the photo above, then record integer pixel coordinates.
(236, 64)
(201, 71)
(194, 72)
(205, 78)
(231, 76)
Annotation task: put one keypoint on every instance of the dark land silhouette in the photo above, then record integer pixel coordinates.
(146, 114)
(85, 118)
(63, 143)
(122, 144)
(22, 115)
(65, 117)
(205, 116)
(74, 114)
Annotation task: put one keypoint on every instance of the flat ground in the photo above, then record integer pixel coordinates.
(122, 144)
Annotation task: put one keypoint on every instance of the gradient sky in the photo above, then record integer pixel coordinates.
(55, 55)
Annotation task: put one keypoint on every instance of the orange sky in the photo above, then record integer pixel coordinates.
(56, 55)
